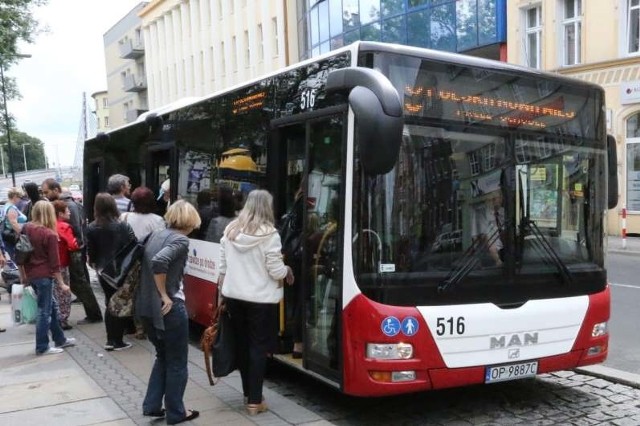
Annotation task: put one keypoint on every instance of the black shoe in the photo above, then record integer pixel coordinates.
(194, 415)
(154, 413)
(65, 325)
(89, 321)
(122, 346)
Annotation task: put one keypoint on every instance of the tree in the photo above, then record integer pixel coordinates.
(33, 151)
(17, 25)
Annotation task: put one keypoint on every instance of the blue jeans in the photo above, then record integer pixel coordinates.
(169, 374)
(47, 315)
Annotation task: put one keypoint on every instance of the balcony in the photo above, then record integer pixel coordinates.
(131, 115)
(131, 49)
(133, 83)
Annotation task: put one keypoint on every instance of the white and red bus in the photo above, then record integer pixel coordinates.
(453, 215)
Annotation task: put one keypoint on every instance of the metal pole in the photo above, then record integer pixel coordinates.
(7, 124)
(24, 156)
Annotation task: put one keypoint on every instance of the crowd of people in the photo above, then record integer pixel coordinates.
(251, 274)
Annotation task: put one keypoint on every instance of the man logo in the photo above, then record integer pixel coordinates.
(514, 353)
(509, 341)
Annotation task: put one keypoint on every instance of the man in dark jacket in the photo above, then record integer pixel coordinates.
(79, 274)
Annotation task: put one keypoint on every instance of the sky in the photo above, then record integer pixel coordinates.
(66, 61)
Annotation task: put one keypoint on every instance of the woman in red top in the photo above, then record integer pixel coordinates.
(66, 242)
(42, 272)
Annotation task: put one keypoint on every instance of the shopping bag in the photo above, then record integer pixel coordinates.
(17, 291)
(122, 303)
(29, 306)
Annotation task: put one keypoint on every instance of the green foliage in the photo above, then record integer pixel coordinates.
(16, 25)
(34, 152)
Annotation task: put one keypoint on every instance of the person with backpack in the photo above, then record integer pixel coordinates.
(33, 195)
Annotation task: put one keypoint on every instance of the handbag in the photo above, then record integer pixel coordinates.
(9, 235)
(116, 270)
(219, 346)
(122, 302)
(23, 250)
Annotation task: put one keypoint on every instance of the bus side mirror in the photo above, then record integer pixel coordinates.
(612, 163)
(378, 115)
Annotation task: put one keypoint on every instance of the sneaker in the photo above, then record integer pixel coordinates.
(109, 346)
(51, 351)
(65, 325)
(71, 341)
(122, 346)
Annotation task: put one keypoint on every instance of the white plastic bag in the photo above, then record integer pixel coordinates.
(29, 306)
(17, 290)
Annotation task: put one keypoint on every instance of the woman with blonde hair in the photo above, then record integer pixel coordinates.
(42, 272)
(251, 268)
(160, 306)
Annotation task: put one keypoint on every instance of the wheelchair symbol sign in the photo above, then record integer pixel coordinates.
(409, 326)
(390, 326)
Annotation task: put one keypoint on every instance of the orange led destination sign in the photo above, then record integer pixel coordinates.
(419, 100)
(249, 102)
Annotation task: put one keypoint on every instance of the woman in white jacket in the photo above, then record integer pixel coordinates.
(251, 270)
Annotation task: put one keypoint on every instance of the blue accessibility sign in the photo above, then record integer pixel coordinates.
(390, 326)
(410, 326)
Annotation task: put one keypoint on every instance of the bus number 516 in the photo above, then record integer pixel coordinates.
(449, 326)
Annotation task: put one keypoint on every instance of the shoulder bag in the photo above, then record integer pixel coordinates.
(219, 345)
(122, 302)
(9, 235)
(23, 250)
(115, 271)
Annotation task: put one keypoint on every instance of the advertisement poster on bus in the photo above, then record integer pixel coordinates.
(197, 166)
(203, 260)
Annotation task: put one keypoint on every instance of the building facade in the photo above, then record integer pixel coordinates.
(101, 111)
(196, 47)
(474, 27)
(567, 37)
(125, 65)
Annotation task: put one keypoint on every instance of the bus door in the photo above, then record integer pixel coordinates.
(94, 181)
(160, 167)
(314, 162)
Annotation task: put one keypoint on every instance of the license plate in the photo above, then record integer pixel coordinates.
(503, 373)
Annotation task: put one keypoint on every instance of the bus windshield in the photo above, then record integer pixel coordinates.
(493, 198)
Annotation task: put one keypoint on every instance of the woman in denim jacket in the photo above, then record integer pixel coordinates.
(161, 309)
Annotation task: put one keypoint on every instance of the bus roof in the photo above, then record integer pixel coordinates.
(364, 46)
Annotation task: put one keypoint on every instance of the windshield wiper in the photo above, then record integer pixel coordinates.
(544, 248)
(469, 261)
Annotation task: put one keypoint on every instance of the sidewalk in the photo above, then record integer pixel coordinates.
(87, 385)
(614, 245)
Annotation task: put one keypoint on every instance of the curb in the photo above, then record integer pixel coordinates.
(628, 252)
(611, 374)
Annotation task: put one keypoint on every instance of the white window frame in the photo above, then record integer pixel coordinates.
(536, 31)
(260, 44)
(629, 140)
(576, 23)
(627, 27)
(274, 29)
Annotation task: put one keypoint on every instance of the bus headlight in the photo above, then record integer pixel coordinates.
(389, 350)
(600, 329)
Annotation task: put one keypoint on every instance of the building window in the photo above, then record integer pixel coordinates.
(260, 43)
(106, 122)
(274, 25)
(223, 62)
(633, 26)
(572, 31)
(234, 56)
(220, 15)
(633, 162)
(98, 122)
(105, 102)
(533, 34)
(247, 49)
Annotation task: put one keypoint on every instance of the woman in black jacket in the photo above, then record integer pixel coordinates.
(106, 235)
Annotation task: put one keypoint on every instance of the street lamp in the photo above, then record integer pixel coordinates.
(2, 159)
(24, 156)
(6, 115)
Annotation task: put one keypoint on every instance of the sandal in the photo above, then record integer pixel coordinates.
(194, 415)
(254, 409)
